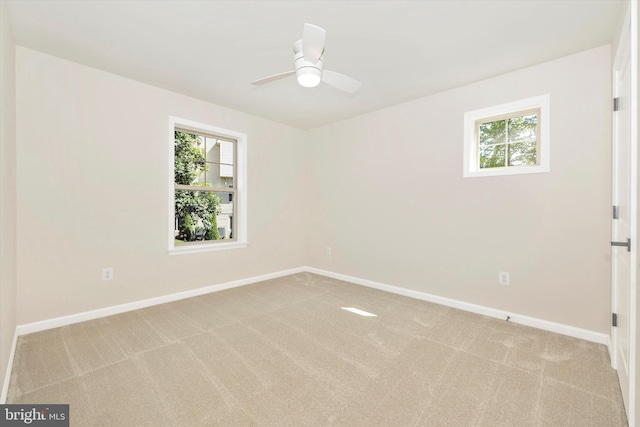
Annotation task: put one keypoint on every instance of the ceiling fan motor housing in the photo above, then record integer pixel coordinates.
(308, 73)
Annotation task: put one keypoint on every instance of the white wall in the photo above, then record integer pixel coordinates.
(92, 161)
(384, 191)
(7, 190)
(388, 196)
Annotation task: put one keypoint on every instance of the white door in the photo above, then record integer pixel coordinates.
(624, 215)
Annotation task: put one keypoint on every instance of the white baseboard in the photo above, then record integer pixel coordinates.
(559, 328)
(546, 325)
(7, 375)
(117, 309)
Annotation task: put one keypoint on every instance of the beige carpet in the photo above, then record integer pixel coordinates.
(284, 353)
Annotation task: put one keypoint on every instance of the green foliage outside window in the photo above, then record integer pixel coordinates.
(509, 142)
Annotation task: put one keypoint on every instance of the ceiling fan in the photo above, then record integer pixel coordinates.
(308, 58)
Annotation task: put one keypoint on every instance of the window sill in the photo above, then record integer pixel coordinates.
(514, 170)
(190, 249)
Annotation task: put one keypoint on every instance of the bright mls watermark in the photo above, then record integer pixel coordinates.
(34, 415)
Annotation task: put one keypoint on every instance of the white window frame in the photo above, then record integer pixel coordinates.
(471, 167)
(239, 184)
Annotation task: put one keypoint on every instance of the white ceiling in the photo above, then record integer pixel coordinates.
(399, 50)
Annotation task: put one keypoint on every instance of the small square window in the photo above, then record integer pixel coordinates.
(507, 139)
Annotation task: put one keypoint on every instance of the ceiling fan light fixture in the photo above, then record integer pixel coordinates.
(308, 64)
(309, 76)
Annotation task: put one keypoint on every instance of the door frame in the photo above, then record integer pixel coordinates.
(633, 12)
(622, 155)
(629, 30)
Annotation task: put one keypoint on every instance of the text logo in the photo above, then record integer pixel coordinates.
(34, 415)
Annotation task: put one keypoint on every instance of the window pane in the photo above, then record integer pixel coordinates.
(211, 153)
(492, 156)
(522, 154)
(202, 216)
(219, 163)
(492, 132)
(196, 215)
(189, 158)
(226, 159)
(224, 219)
(206, 161)
(523, 128)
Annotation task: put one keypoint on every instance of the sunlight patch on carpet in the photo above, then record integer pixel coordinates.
(360, 312)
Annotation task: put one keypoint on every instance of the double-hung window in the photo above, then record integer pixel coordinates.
(508, 139)
(208, 193)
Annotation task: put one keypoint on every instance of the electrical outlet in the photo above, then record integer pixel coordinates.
(504, 278)
(107, 274)
(328, 250)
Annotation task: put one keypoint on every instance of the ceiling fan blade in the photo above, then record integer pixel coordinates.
(273, 78)
(313, 38)
(340, 81)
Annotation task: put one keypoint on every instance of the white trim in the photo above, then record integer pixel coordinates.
(546, 325)
(195, 248)
(609, 345)
(622, 44)
(117, 309)
(7, 375)
(240, 185)
(628, 40)
(470, 157)
(632, 410)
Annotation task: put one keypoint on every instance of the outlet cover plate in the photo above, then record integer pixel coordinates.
(107, 274)
(504, 278)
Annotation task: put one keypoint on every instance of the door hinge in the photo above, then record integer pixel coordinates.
(616, 212)
(616, 104)
(614, 320)
(626, 244)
